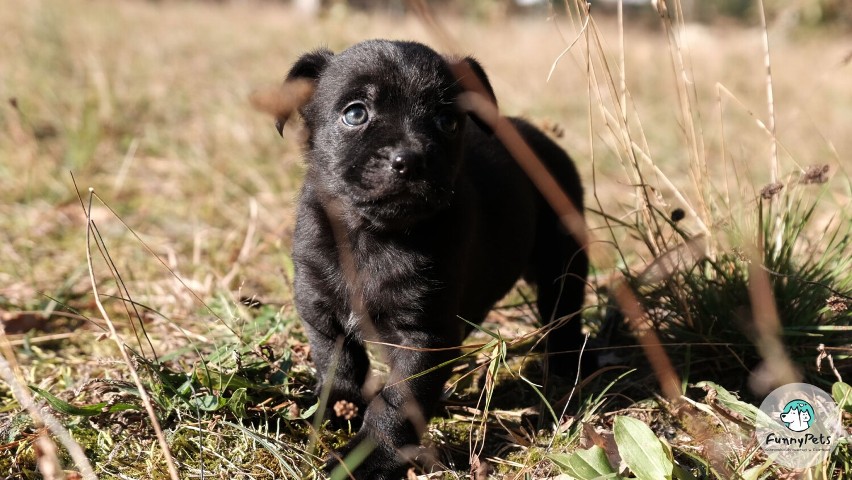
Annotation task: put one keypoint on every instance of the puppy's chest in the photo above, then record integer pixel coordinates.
(392, 280)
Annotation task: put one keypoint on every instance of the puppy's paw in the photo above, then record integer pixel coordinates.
(363, 458)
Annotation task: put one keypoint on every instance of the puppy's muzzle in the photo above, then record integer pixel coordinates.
(407, 164)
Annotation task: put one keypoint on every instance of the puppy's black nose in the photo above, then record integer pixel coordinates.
(406, 163)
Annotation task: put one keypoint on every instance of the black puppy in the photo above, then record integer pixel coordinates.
(409, 219)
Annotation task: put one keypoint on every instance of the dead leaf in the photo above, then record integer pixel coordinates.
(604, 439)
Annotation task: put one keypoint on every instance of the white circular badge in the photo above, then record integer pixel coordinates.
(798, 425)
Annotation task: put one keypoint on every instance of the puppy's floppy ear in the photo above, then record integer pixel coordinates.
(472, 77)
(306, 71)
(310, 65)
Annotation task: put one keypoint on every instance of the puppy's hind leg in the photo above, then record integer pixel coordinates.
(561, 267)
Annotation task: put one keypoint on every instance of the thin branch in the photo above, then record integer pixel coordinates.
(770, 99)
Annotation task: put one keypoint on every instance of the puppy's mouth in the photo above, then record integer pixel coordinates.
(402, 205)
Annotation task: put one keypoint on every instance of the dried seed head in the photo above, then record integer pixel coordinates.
(771, 190)
(815, 174)
(837, 304)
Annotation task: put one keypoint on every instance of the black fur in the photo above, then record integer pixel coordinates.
(405, 225)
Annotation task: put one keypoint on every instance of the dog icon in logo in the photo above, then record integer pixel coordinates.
(798, 415)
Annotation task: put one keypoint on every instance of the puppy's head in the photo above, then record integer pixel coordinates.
(385, 128)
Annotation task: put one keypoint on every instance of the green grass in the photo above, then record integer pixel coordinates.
(147, 103)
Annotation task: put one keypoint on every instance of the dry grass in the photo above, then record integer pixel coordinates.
(147, 103)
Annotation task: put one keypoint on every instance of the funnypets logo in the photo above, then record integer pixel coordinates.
(798, 425)
(798, 415)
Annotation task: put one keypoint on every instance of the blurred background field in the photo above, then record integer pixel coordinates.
(147, 103)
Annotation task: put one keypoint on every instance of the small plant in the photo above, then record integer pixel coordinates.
(704, 312)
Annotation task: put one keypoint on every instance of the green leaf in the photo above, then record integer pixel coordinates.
(842, 394)
(756, 473)
(237, 403)
(688, 454)
(310, 411)
(219, 381)
(730, 401)
(82, 411)
(584, 464)
(641, 450)
(186, 388)
(208, 403)
(681, 473)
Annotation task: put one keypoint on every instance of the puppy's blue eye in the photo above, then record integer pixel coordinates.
(355, 114)
(447, 123)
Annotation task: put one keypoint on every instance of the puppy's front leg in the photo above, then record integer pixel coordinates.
(396, 418)
(340, 358)
(342, 366)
